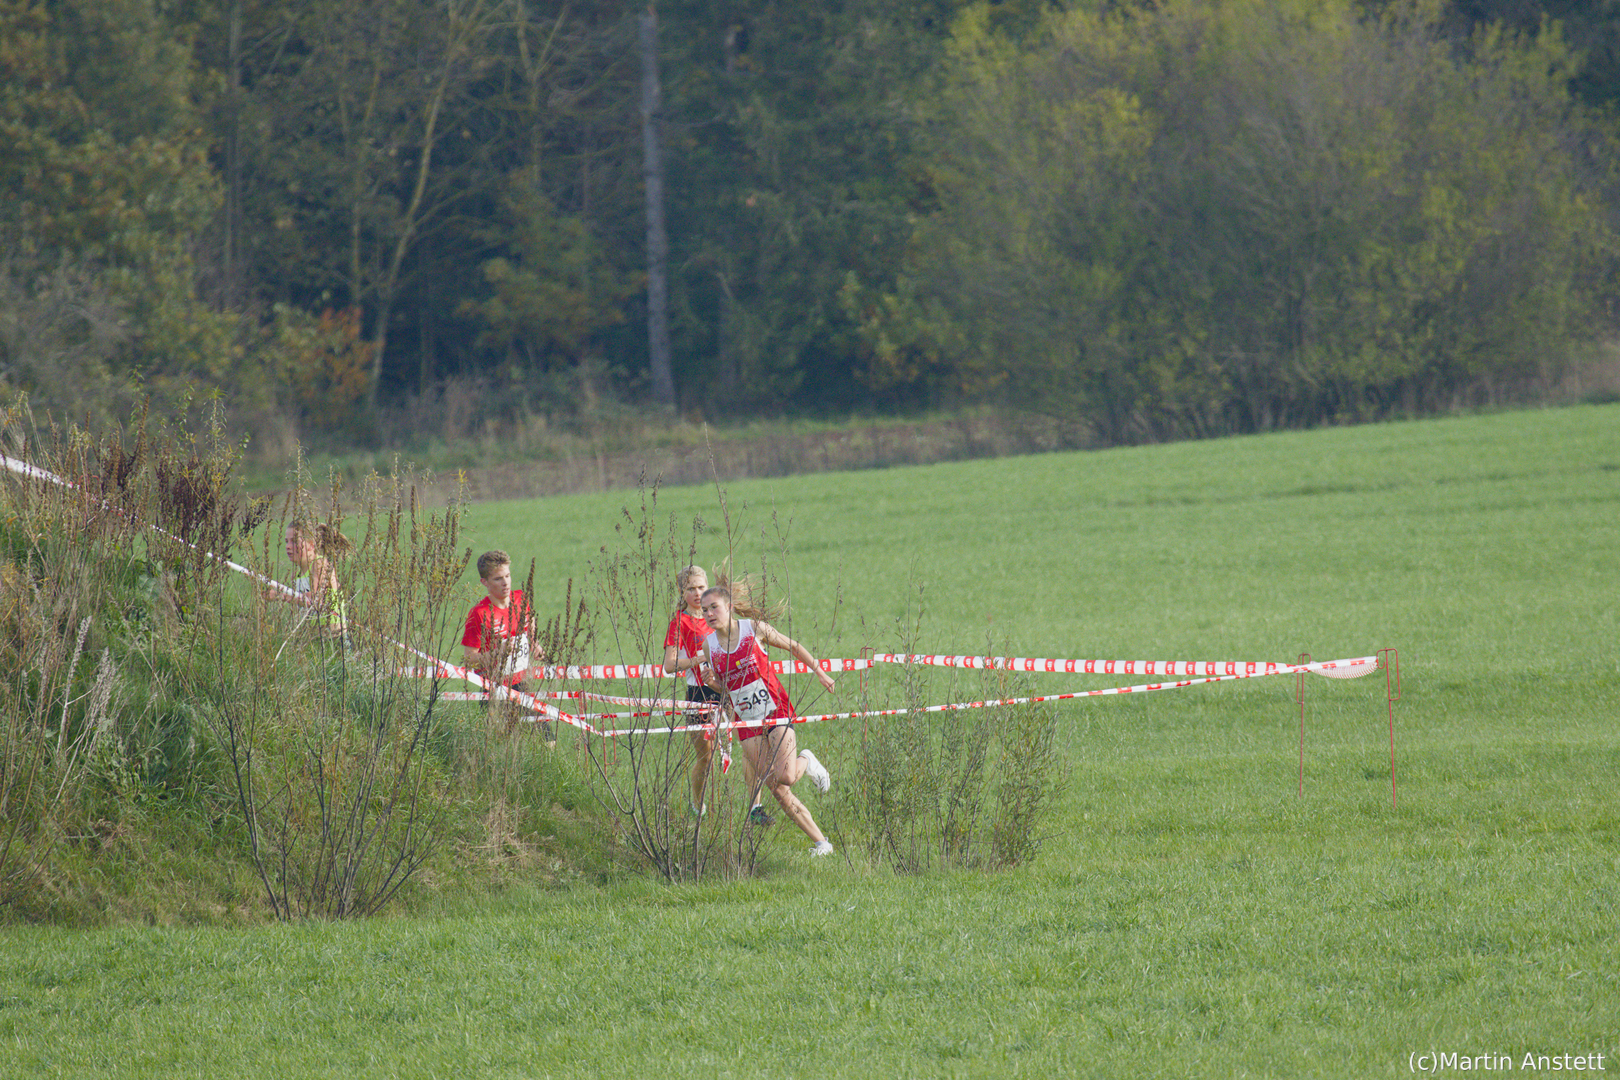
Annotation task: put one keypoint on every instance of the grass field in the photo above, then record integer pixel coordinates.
(1189, 914)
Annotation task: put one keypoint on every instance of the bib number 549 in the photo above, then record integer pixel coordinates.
(753, 702)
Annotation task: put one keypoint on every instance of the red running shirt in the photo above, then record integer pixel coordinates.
(756, 693)
(505, 630)
(686, 633)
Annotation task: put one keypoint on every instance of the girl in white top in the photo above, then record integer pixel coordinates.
(312, 546)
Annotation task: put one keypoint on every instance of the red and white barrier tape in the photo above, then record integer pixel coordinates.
(496, 691)
(1344, 668)
(668, 708)
(1192, 668)
(655, 669)
(556, 695)
(1211, 671)
(34, 471)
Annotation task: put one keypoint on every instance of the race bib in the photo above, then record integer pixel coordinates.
(517, 655)
(753, 701)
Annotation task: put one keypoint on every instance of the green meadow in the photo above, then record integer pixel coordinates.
(1190, 913)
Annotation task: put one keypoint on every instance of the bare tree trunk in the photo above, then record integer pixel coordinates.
(354, 133)
(465, 24)
(534, 66)
(658, 349)
(388, 285)
(232, 254)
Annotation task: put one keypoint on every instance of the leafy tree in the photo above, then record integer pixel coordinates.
(553, 292)
(106, 187)
(348, 103)
(1591, 27)
(1191, 218)
(558, 245)
(791, 167)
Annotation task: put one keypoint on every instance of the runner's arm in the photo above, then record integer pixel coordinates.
(773, 637)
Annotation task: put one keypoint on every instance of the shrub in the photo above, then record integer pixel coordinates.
(966, 787)
(642, 779)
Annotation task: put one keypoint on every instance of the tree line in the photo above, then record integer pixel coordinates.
(1159, 217)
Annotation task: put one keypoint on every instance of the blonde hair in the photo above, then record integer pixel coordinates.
(329, 542)
(746, 595)
(684, 576)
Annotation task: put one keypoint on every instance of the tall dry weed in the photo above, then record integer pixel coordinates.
(642, 779)
(91, 610)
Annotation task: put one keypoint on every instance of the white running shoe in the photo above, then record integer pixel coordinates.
(821, 847)
(817, 772)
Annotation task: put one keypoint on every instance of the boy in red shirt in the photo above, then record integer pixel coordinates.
(499, 634)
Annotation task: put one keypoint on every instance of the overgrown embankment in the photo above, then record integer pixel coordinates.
(178, 744)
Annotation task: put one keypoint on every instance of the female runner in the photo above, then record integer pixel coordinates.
(737, 662)
(683, 652)
(312, 546)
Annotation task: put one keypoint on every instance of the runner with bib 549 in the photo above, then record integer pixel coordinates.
(737, 666)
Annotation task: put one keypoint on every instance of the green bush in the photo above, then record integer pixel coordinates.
(966, 788)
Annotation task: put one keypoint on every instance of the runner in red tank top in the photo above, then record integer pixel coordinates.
(738, 665)
(683, 653)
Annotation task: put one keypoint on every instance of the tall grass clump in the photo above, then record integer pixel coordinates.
(526, 790)
(967, 787)
(93, 600)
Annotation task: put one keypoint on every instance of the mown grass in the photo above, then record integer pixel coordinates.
(1189, 915)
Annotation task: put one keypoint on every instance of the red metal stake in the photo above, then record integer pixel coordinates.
(1299, 699)
(1390, 660)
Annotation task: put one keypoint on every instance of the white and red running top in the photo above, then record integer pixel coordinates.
(755, 691)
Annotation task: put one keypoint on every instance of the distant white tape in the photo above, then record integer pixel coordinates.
(1343, 669)
(1347, 669)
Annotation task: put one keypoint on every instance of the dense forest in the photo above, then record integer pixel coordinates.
(1159, 218)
